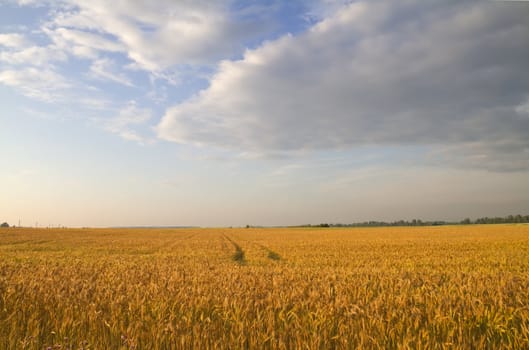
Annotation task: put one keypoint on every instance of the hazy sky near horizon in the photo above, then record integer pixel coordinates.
(221, 113)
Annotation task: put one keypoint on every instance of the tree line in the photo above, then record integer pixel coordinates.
(510, 219)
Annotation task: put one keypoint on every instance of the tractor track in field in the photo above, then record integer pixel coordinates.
(239, 255)
(223, 243)
(270, 254)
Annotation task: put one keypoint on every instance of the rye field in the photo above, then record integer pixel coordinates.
(440, 287)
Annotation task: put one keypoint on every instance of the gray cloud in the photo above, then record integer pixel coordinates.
(452, 76)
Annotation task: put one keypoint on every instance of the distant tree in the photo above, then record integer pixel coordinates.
(5, 224)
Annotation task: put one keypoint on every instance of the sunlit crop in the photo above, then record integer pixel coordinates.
(457, 287)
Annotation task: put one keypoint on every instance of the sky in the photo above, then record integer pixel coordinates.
(262, 112)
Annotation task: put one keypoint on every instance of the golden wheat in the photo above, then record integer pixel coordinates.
(456, 287)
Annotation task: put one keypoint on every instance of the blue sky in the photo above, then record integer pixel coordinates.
(262, 112)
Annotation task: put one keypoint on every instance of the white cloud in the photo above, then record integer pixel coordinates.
(126, 122)
(376, 73)
(43, 85)
(154, 35)
(104, 69)
(34, 55)
(83, 43)
(13, 40)
(27, 2)
(170, 40)
(95, 103)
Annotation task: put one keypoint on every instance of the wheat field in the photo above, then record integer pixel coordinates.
(440, 287)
